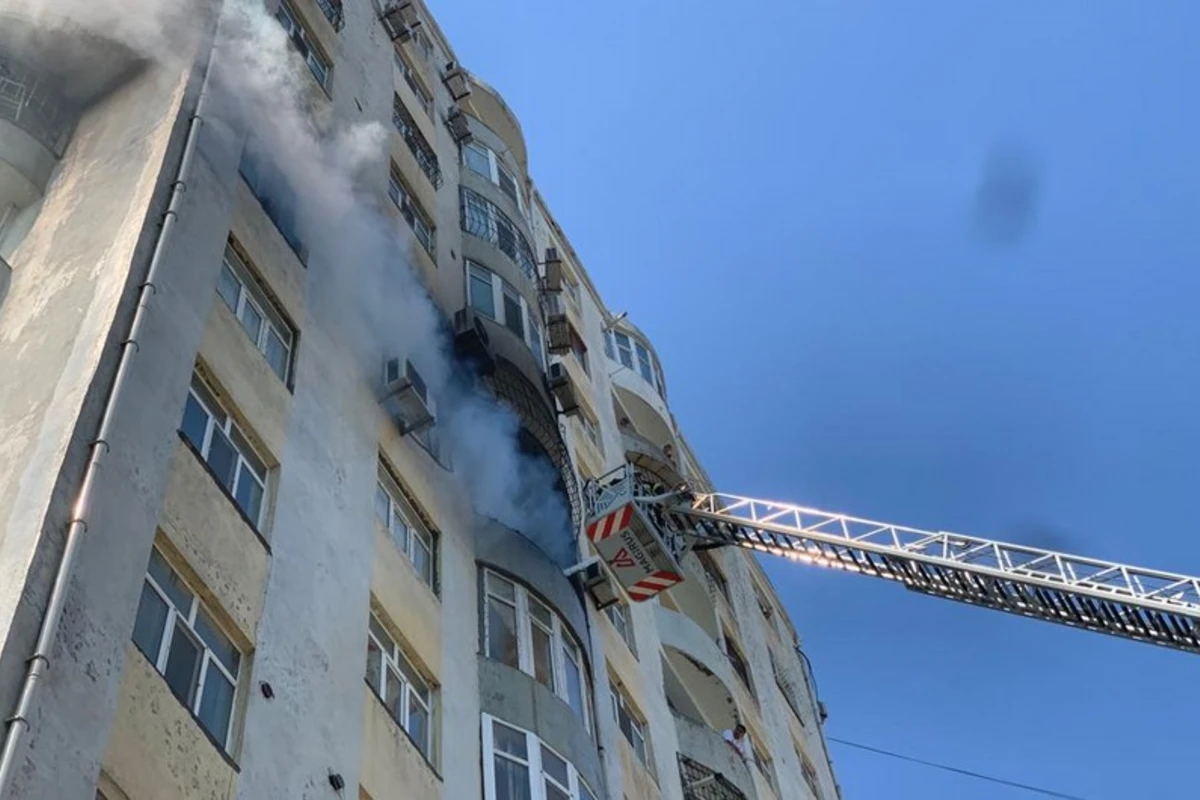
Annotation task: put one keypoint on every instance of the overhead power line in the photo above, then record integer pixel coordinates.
(969, 773)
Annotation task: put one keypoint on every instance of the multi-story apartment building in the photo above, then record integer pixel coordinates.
(301, 384)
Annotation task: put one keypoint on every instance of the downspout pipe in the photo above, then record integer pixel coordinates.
(39, 663)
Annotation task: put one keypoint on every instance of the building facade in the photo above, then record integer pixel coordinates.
(304, 385)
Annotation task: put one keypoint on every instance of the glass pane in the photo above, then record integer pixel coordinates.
(170, 582)
(502, 633)
(554, 793)
(644, 364)
(247, 453)
(277, 354)
(512, 780)
(383, 504)
(501, 587)
(252, 321)
(418, 722)
(399, 529)
(584, 792)
(422, 557)
(574, 681)
(222, 458)
(216, 703)
(482, 299)
(380, 633)
(195, 422)
(221, 647)
(477, 160)
(508, 185)
(539, 611)
(374, 660)
(229, 287)
(555, 767)
(249, 494)
(150, 622)
(512, 315)
(183, 664)
(535, 340)
(543, 659)
(394, 697)
(509, 740)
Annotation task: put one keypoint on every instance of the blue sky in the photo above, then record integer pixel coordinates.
(780, 193)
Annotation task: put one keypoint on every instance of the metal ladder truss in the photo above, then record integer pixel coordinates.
(1144, 605)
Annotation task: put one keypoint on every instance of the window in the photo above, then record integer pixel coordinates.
(810, 775)
(499, 301)
(426, 158)
(332, 9)
(406, 695)
(279, 201)
(636, 355)
(179, 636)
(618, 615)
(526, 634)
(763, 762)
(225, 449)
(416, 543)
(522, 767)
(738, 661)
(785, 688)
(318, 64)
(631, 723)
(572, 289)
(483, 218)
(715, 576)
(482, 160)
(424, 98)
(260, 318)
(580, 351)
(589, 428)
(412, 212)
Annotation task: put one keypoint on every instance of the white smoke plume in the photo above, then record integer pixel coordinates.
(385, 305)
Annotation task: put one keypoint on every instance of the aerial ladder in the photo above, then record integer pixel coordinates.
(642, 530)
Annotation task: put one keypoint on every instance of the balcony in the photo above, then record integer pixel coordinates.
(648, 456)
(426, 158)
(697, 677)
(708, 767)
(483, 219)
(29, 103)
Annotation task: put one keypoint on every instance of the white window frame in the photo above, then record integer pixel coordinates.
(318, 63)
(589, 428)
(577, 788)
(637, 723)
(765, 765)
(423, 95)
(250, 296)
(531, 330)
(637, 356)
(395, 662)
(618, 616)
(208, 658)
(422, 227)
(562, 642)
(219, 420)
(496, 169)
(407, 536)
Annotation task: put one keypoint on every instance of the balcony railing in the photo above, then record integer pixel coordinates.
(31, 105)
(332, 9)
(427, 159)
(701, 783)
(483, 218)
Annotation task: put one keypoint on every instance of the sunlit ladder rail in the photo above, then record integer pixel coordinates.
(1140, 604)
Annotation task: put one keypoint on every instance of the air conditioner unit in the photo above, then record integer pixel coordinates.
(558, 333)
(552, 282)
(406, 397)
(596, 582)
(457, 81)
(472, 342)
(460, 129)
(399, 19)
(562, 388)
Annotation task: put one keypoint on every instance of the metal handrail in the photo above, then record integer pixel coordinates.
(426, 158)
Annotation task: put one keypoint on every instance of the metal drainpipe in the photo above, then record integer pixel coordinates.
(39, 662)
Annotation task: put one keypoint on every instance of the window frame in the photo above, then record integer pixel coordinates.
(219, 419)
(737, 660)
(715, 574)
(415, 535)
(641, 358)
(562, 641)
(410, 208)
(624, 628)
(532, 334)
(414, 81)
(483, 219)
(622, 702)
(252, 293)
(208, 657)
(533, 761)
(496, 170)
(296, 28)
(394, 662)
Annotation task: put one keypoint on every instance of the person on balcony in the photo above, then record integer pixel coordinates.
(738, 740)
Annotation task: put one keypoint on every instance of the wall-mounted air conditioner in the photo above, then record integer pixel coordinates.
(399, 19)
(596, 581)
(472, 342)
(562, 388)
(553, 278)
(460, 130)
(457, 81)
(406, 397)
